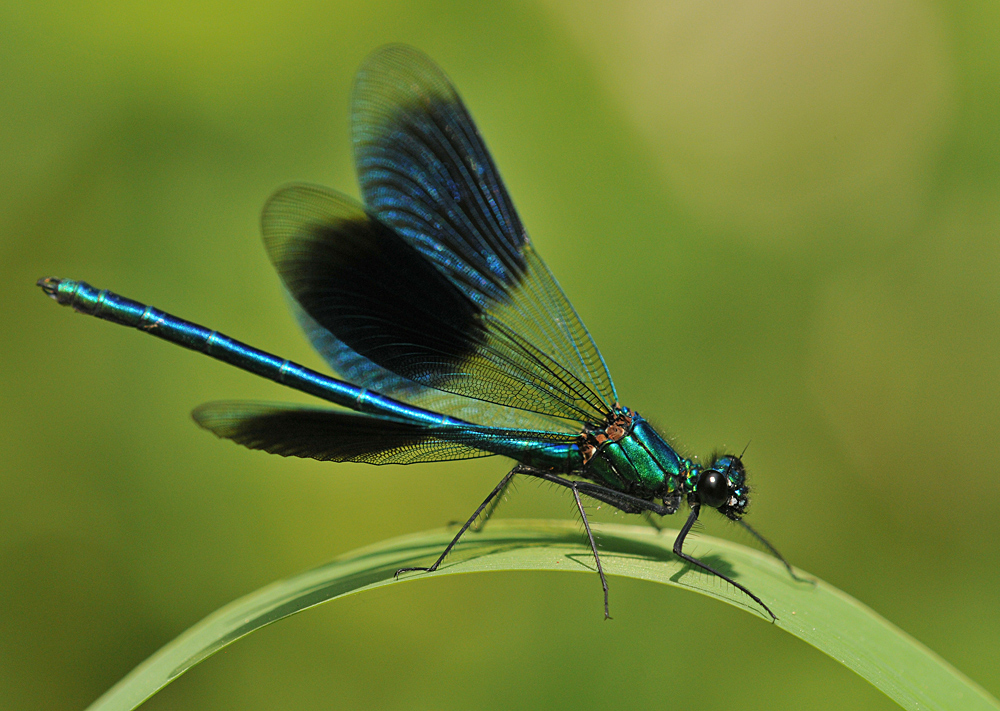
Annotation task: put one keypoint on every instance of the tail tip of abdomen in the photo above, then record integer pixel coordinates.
(50, 285)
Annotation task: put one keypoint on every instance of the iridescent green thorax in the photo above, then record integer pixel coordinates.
(628, 455)
(691, 480)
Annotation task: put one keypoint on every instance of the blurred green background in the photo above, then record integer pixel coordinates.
(779, 219)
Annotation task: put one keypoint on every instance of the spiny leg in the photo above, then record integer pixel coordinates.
(774, 552)
(622, 502)
(679, 552)
(480, 523)
(593, 547)
(499, 487)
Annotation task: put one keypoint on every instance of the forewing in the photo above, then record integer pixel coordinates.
(425, 172)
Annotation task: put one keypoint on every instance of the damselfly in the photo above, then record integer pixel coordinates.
(453, 338)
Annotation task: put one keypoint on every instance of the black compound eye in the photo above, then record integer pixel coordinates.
(713, 488)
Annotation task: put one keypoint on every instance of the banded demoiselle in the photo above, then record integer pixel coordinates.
(453, 338)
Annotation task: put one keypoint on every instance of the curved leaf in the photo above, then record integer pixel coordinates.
(819, 614)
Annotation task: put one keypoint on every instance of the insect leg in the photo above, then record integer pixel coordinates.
(774, 552)
(499, 487)
(679, 552)
(480, 523)
(623, 502)
(593, 547)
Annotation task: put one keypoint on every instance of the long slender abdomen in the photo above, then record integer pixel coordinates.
(113, 307)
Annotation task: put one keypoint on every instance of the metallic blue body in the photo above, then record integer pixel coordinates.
(110, 306)
(526, 446)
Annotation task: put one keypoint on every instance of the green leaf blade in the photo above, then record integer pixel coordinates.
(819, 614)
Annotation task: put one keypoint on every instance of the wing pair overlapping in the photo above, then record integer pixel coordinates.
(429, 292)
(433, 280)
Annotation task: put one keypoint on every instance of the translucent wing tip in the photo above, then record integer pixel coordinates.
(392, 77)
(400, 58)
(297, 205)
